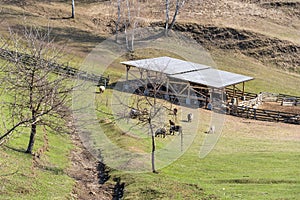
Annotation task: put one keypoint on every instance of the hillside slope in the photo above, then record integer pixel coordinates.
(253, 37)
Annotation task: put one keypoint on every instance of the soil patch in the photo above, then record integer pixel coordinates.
(276, 106)
(85, 170)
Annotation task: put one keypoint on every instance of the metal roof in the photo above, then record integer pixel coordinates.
(213, 77)
(188, 71)
(166, 65)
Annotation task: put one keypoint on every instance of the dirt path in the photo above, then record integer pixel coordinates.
(85, 170)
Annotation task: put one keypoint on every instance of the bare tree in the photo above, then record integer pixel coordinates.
(119, 18)
(149, 111)
(34, 95)
(167, 17)
(73, 9)
(128, 20)
(179, 4)
(147, 108)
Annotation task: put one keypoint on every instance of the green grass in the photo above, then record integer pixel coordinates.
(252, 160)
(22, 179)
(266, 78)
(240, 167)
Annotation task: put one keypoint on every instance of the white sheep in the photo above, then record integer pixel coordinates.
(101, 89)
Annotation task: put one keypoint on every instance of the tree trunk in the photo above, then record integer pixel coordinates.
(167, 17)
(118, 20)
(153, 147)
(73, 9)
(178, 6)
(32, 134)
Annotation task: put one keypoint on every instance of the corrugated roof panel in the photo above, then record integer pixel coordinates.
(188, 71)
(166, 65)
(213, 77)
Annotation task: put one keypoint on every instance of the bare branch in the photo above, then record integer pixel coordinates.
(36, 95)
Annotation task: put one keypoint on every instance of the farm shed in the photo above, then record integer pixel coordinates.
(192, 81)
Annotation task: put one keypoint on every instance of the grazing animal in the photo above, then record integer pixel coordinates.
(101, 89)
(211, 129)
(134, 113)
(161, 131)
(141, 115)
(175, 111)
(175, 128)
(190, 117)
(171, 123)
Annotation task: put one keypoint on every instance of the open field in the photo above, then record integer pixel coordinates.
(252, 159)
(27, 177)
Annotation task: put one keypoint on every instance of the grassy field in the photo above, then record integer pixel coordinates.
(252, 159)
(23, 177)
(39, 176)
(266, 78)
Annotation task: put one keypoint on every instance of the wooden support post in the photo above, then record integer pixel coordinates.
(188, 100)
(243, 89)
(141, 74)
(189, 90)
(168, 82)
(234, 91)
(127, 71)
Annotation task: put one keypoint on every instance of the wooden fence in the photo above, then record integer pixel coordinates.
(272, 97)
(240, 94)
(264, 115)
(282, 96)
(57, 68)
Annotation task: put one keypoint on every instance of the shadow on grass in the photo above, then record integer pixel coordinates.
(118, 189)
(20, 150)
(9, 174)
(59, 18)
(103, 173)
(257, 181)
(53, 169)
(83, 39)
(150, 193)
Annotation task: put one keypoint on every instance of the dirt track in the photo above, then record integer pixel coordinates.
(85, 171)
(277, 107)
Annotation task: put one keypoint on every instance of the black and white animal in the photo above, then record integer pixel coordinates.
(190, 117)
(175, 128)
(134, 113)
(161, 131)
(101, 89)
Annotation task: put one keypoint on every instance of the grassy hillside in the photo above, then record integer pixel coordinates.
(252, 160)
(24, 176)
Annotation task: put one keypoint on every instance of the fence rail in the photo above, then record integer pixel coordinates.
(240, 94)
(29, 60)
(282, 96)
(264, 115)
